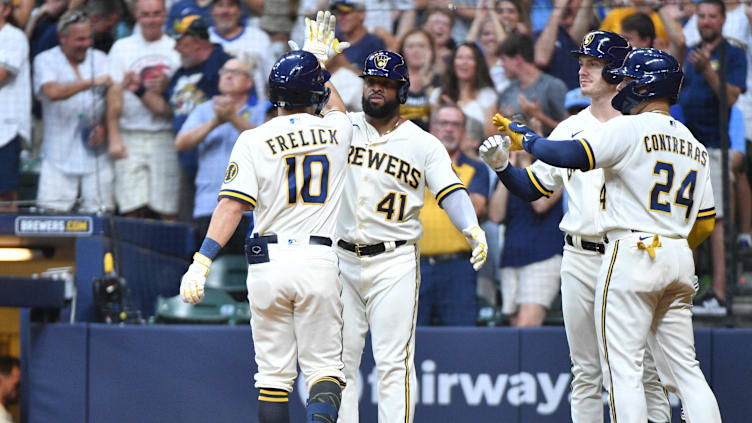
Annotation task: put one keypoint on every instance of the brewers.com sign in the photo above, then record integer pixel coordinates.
(53, 225)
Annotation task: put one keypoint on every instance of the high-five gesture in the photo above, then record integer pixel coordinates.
(320, 39)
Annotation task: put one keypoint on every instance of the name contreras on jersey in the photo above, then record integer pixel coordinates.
(392, 165)
(291, 140)
(672, 144)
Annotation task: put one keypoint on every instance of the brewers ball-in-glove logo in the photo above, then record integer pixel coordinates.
(381, 60)
(232, 172)
(588, 39)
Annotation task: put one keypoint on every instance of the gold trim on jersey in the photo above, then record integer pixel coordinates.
(589, 152)
(603, 331)
(537, 184)
(237, 195)
(448, 190)
(706, 213)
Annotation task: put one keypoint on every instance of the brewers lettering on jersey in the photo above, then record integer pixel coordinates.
(659, 203)
(390, 164)
(291, 172)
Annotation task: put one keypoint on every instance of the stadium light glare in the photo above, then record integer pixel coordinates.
(16, 254)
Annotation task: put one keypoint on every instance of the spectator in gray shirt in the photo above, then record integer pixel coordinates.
(531, 91)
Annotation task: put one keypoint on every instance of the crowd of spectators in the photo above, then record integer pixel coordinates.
(132, 108)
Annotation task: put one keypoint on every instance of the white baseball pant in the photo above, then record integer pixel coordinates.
(637, 296)
(296, 315)
(381, 293)
(579, 273)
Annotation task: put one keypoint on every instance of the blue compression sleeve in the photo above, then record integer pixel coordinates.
(210, 248)
(569, 154)
(518, 183)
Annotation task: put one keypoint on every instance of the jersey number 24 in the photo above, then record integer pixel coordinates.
(684, 196)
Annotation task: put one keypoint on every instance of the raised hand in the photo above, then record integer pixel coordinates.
(502, 124)
(495, 151)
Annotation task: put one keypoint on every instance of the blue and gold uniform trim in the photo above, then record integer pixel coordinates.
(603, 333)
(327, 379)
(589, 152)
(239, 196)
(706, 213)
(272, 395)
(412, 334)
(448, 190)
(537, 183)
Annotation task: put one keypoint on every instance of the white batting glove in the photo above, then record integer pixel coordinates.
(477, 240)
(192, 284)
(319, 38)
(495, 151)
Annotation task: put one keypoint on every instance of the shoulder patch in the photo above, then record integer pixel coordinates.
(232, 172)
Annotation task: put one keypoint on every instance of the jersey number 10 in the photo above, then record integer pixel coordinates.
(684, 195)
(307, 165)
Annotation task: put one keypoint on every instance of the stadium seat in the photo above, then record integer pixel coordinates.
(28, 178)
(217, 307)
(228, 273)
(242, 313)
(554, 316)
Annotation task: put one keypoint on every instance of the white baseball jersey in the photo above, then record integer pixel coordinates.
(387, 179)
(579, 273)
(658, 183)
(657, 175)
(384, 193)
(584, 189)
(295, 160)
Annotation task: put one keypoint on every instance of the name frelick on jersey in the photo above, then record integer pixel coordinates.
(360, 156)
(318, 136)
(673, 144)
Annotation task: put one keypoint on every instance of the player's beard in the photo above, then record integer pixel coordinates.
(380, 112)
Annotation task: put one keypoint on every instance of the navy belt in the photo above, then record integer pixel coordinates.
(598, 247)
(313, 239)
(441, 258)
(367, 250)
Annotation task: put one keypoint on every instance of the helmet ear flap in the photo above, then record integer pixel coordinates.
(321, 100)
(404, 89)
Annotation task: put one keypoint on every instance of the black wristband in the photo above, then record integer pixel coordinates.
(140, 91)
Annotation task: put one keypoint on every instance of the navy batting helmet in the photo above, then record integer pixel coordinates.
(297, 81)
(657, 75)
(390, 65)
(606, 45)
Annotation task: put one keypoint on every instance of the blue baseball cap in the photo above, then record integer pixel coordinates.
(575, 98)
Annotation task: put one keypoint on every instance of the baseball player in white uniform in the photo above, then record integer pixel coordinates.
(291, 172)
(599, 52)
(659, 204)
(391, 162)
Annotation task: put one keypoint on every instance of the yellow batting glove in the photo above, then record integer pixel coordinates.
(502, 124)
(477, 240)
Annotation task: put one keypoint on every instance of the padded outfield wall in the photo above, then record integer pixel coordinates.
(91, 373)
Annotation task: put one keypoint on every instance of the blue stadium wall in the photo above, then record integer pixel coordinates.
(95, 373)
(91, 373)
